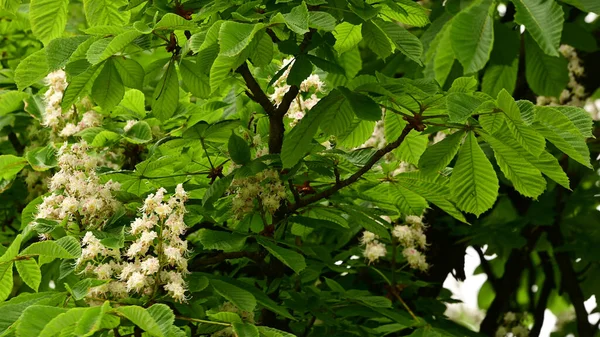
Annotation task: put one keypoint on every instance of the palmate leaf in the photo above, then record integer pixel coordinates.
(473, 183)
(142, 318)
(572, 145)
(407, 201)
(31, 69)
(297, 19)
(406, 11)
(472, 35)
(461, 106)
(35, 318)
(48, 18)
(234, 37)
(581, 118)
(107, 47)
(543, 20)
(526, 178)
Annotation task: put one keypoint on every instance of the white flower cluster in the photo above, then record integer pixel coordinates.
(264, 188)
(64, 124)
(77, 193)
(513, 326)
(410, 236)
(306, 100)
(575, 92)
(156, 258)
(374, 250)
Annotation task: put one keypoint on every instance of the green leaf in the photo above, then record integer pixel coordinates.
(393, 126)
(546, 75)
(64, 321)
(492, 123)
(132, 105)
(554, 119)
(262, 55)
(526, 178)
(172, 21)
(106, 12)
(412, 147)
(131, 73)
(298, 142)
(108, 88)
(164, 316)
(473, 183)
(140, 317)
(6, 280)
(321, 20)
(376, 39)
(48, 18)
(91, 320)
(543, 20)
(105, 48)
(48, 249)
(220, 240)
(441, 56)
(533, 142)
(405, 200)
(439, 155)
(11, 165)
(29, 272)
(461, 106)
(297, 19)
(374, 301)
(194, 79)
(585, 5)
(35, 318)
(501, 72)
(11, 101)
(42, 159)
(235, 37)
(245, 330)
(406, 11)
(472, 35)
(216, 190)
(31, 69)
(346, 36)
(405, 41)
(364, 107)
(139, 133)
(238, 148)
(572, 145)
(12, 250)
(58, 51)
(581, 118)
(289, 257)
(301, 69)
(79, 86)
(272, 332)
(238, 296)
(546, 162)
(166, 94)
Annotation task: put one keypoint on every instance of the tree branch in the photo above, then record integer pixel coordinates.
(487, 269)
(544, 294)
(353, 178)
(256, 93)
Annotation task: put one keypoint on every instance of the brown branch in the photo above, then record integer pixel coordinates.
(544, 294)
(487, 269)
(353, 178)
(256, 93)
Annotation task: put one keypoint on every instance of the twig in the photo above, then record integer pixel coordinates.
(256, 92)
(353, 178)
(412, 314)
